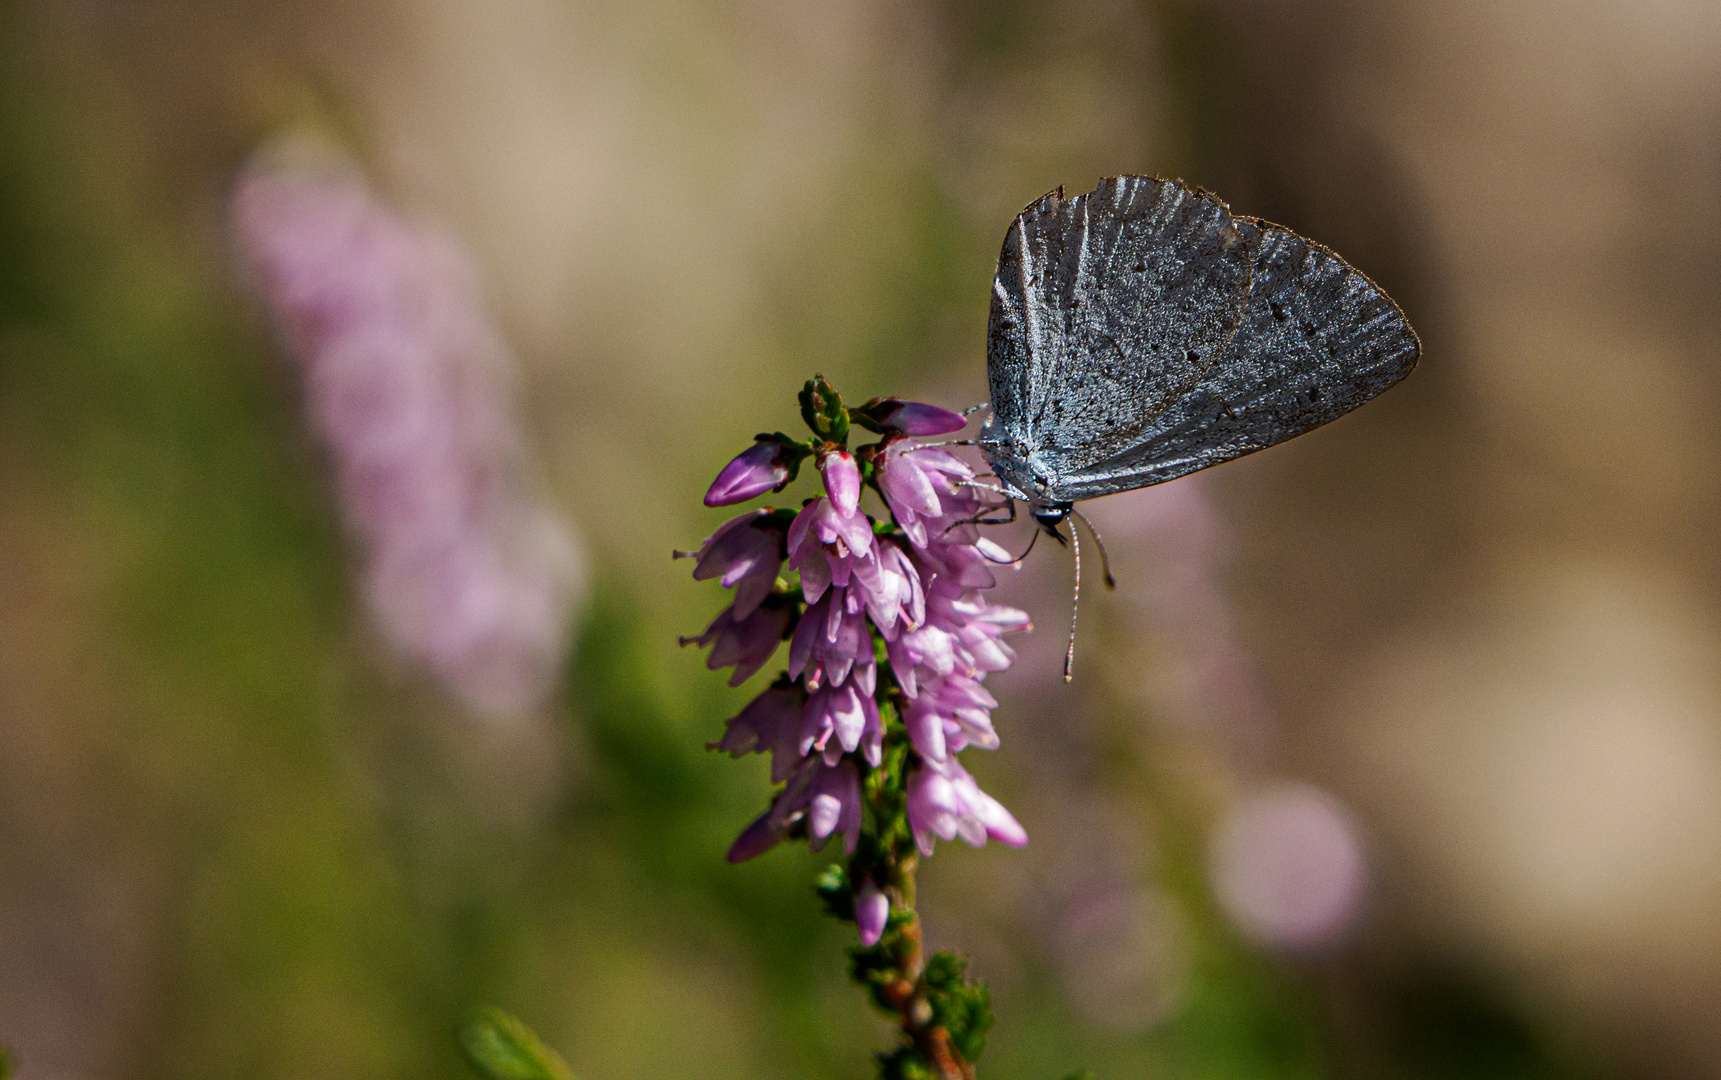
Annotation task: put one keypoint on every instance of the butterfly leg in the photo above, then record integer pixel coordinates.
(1032, 540)
(982, 519)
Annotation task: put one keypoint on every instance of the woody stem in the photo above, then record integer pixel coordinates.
(908, 993)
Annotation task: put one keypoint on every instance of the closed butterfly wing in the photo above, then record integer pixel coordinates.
(1317, 339)
(1106, 310)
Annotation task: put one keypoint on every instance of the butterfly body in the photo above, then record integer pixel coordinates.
(1141, 332)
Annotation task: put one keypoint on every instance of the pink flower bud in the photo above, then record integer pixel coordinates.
(754, 471)
(872, 911)
(843, 481)
(914, 418)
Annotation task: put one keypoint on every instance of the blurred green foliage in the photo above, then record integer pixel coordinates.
(500, 1047)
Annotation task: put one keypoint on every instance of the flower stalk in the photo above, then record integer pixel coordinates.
(890, 640)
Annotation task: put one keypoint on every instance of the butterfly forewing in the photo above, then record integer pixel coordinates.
(1316, 340)
(1106, 310)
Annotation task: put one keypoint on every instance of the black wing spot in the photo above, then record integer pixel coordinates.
(1191, 356)
(1141, 268)
(1278, 311)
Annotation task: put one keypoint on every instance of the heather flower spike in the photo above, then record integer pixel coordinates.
(890, 642)
(467, 571)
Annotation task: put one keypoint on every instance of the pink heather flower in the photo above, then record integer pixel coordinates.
(771, 723)
(962, 635)
(923, 596)
(944, 802)
(842, 481)
(834, 803)
(872, 911)
(979, 629)
(846, 714)
(889, 586)
(950, 714)
(824, 546)
(926, 489)
(466, 571)
(831, 640)
(914, 418)
(827, 797)
(747, 553)
(745, 643)
(754, 471)
(953, 568)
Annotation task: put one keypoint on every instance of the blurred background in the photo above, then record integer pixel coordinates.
(1397, 753)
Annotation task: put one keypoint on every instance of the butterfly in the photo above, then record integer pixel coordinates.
(1141, 332)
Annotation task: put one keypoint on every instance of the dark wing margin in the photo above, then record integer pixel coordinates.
(1317, 339)
(1108, 308)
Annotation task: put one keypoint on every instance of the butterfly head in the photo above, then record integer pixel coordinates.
(1050, 515)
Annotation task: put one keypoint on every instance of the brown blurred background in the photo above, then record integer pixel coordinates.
(1484, 613)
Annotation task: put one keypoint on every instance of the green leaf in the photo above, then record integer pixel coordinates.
(962, 1008)
(5, 1063)
(500, 1047)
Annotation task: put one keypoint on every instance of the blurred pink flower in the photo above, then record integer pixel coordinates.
(1289, 867)
(466, 571)
(1169, 542)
